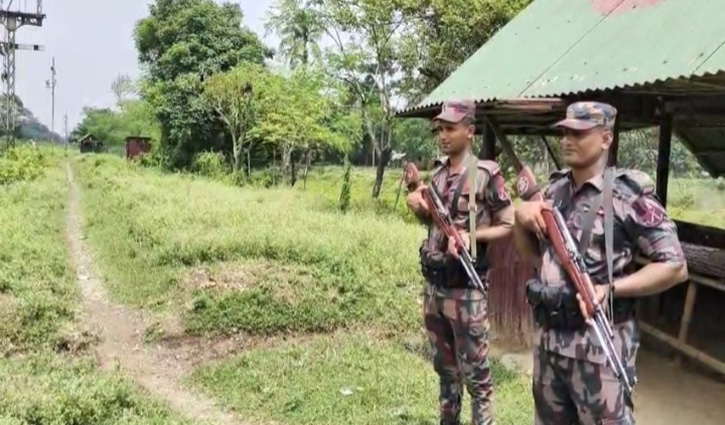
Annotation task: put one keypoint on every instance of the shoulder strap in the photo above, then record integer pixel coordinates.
(609, 220)
(457, 194)
(590, 216)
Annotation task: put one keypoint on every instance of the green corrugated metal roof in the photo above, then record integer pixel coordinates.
(561, 47)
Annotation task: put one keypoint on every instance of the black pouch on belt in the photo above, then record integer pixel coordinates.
(554, 307)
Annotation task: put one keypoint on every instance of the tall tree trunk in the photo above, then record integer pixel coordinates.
(249, 161)
(237, 152)
(287, 162)
(383, 160)
(293, 173)
(307, 168)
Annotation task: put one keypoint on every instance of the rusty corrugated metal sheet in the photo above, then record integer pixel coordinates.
(561, 47)
(137, 146)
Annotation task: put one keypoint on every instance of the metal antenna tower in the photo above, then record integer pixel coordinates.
(51, 85)
(12, 18)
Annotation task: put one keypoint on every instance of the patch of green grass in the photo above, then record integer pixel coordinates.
(699, 201)
(54, 389)
(262, 296)
(150, 230)
(325, 182)
(46, 377)
(352, 379)
(37, 292)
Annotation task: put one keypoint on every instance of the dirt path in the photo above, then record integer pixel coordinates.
(159, 369)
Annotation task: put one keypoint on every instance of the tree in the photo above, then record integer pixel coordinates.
(181, 44)
(365, 34)
(439, 35)
(303, 118)
(239, 97)
(123, 87)
(299, 29)
(113, 126)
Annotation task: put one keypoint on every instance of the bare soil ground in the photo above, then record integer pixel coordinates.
(667, 394)
(159, 368)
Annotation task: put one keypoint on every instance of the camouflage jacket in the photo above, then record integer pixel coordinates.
(492, 198)
(641, 226)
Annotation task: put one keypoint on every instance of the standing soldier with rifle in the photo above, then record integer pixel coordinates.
(467, 201)
(586, 335)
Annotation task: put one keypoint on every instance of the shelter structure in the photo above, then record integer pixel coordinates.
(660, 63)
(90, 143)
(137, 146)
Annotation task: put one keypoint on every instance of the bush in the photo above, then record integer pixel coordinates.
(24, 162)
(210, 164)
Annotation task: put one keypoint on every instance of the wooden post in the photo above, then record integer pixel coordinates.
(612, 159)
(488, 147)
(663, 157)
(687, 316)
(551, 152)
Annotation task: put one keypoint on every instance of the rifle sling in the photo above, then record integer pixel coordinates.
(457, 194)
(590, 216)
(609, 221)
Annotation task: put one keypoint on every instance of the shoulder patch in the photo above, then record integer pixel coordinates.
(635, 182)
(648, 212)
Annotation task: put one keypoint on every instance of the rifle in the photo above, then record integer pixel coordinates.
(442, 218)
(568, 255)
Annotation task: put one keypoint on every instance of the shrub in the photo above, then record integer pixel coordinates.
(24, 162)
(210, 164)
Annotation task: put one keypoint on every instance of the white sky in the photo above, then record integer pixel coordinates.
(92, 43)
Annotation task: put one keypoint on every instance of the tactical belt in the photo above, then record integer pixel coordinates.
(557, 307)
(442, 271)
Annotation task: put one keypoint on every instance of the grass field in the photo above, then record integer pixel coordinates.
(347, 378)
(46, 374)
(273, 262)
(161, 240)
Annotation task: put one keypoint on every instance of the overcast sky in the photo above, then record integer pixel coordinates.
(92, 44)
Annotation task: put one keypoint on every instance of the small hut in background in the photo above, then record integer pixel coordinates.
(90, 143)
(137, 146)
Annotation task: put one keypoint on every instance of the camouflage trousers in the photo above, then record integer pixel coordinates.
(570, 391)
(457, 325)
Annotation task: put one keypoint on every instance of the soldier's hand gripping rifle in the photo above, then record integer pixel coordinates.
(442, 218)
(568, 255)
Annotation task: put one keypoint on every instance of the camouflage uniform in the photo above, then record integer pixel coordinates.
(572, 383)
(455, 316)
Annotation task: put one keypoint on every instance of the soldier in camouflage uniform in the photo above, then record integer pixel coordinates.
(571, 383)
(455, 315)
